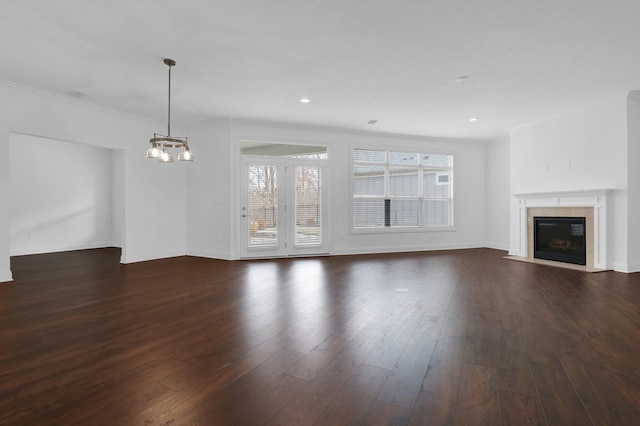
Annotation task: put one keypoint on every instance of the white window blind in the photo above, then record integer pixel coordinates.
(308, 203)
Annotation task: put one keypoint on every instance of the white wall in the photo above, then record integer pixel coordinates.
(154, 196)
(154, 202)
(5, 262)
(633, 168)
(60, 195)
(469, 196)
(583, 149)
(596, 147)
(209, 194)
(498, 192)
(213, 189)
(117, 197)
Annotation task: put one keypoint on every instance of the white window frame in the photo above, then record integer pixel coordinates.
(421, 227)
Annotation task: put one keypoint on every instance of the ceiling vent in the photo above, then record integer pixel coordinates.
(75, 94)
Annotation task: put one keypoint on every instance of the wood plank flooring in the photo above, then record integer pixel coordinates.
(476, 339)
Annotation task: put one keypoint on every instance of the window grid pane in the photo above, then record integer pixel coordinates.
(368, 180)
(404, 213)
(403, 181)
(436, 212)
(437, 160)
(404, 157)
(432, 185)
(369, 156)
(368, 212)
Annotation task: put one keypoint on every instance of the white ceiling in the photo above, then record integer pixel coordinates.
(395, 61)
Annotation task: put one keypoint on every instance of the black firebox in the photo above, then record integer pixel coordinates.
(561, 239)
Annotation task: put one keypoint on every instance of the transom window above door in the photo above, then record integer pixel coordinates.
(261, 149)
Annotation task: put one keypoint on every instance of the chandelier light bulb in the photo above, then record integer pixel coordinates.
(153, 152)
(186, 155)
(166, 156)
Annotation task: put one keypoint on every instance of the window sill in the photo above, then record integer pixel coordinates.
(399, 229)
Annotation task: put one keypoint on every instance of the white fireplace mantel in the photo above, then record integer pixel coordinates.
(594, 198)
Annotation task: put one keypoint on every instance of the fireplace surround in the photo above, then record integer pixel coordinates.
(590, 204)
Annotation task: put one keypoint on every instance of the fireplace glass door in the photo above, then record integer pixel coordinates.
(561, 239)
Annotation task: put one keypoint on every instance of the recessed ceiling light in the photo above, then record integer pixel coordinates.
(305, 100)
(462, 78)
(472, 119)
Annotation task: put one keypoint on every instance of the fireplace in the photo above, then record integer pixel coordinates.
(562, 239)
(590, 204)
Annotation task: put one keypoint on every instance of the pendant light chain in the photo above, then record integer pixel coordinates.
(169, 103)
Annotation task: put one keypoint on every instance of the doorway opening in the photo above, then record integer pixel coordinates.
(283, 200)
(64, 196)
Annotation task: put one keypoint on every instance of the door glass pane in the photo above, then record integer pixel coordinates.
(308, 229)
(263, 206)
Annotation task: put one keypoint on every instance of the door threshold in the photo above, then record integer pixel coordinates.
(289, 256)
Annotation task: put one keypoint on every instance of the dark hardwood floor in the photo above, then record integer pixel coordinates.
(473, 339)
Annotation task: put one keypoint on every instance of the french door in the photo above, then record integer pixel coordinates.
(282, 211)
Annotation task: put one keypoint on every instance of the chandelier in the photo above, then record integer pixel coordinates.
(161, 145)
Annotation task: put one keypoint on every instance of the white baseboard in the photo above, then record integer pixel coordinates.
(5, 276)
(627, 268)
(143, 257)
(633, 267)
(374, 250)
(210, 254)
(57, 249)
(497, 246)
